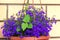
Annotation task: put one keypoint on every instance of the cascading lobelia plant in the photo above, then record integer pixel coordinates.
(33, 23)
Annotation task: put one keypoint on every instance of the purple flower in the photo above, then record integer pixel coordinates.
(18, 13)
(54, 20)
(29, 12)
(30, 7)
(12, 18)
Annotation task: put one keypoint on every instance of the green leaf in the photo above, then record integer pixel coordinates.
(18, 29)
(24, 26)
(30, 25)
(31, 19)
(26, 18)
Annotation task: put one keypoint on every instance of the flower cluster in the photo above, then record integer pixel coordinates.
(33, 23)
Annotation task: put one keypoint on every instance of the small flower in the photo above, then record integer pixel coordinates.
(30, 7)
(18, 13)
(12, 17)
(54, 20)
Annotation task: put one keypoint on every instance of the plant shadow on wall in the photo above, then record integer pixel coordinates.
(31, 22)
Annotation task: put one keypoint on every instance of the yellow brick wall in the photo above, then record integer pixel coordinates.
(51, 11)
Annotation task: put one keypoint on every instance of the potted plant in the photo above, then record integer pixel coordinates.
(31, 24)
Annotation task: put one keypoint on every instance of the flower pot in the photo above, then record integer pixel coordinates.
(30, 38)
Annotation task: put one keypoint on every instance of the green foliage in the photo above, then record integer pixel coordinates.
(24, 26)
(30, 25)
(26, 18)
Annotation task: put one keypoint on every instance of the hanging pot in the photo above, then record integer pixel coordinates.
(30, 38)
